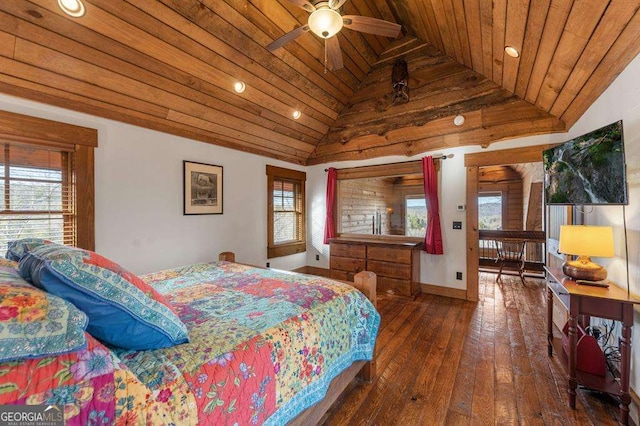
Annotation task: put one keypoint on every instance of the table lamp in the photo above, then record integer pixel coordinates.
(585, 241)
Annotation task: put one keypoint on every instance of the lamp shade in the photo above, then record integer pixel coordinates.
(582, 240)
(325, 22)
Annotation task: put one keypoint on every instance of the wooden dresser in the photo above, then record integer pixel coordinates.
(396, 264)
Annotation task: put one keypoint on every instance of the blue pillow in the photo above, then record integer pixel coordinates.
(123, 310)
(18, 248)
(35, 324)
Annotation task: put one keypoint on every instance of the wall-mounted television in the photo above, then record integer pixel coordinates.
(589, 169)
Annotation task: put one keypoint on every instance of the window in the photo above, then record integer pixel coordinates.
(490, 210)
(285, 212)
(46, 181)
(38, 195)
(415, 216)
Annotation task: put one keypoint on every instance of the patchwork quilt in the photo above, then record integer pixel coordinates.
(264, 346)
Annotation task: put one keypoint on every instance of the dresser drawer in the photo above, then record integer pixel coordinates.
(387, 254)
(347, 264)
(394, 286)
(391, 270)
(357, 251)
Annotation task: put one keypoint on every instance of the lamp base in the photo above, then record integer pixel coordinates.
(584, 269)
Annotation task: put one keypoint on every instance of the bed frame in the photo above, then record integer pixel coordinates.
(364, 281)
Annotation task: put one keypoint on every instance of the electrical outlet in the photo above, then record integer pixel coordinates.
(317, 257)
(458, 275)
(457, 225)
(268, 265)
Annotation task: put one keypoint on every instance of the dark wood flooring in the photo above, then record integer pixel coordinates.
(443, 361)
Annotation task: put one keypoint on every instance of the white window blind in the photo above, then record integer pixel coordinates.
(287, 212)
(38, 190)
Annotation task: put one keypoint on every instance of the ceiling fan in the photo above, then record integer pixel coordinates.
(326, 22)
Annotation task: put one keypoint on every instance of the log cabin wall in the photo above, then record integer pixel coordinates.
(360, 200)
(507, 181)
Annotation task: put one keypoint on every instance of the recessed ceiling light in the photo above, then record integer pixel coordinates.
(512, 51)
(73, 8)
(297, 114)
(458, 120)
(239, 86)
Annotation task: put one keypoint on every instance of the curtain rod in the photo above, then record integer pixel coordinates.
(437, 157)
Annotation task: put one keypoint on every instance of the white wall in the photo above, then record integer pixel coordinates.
(139, 220)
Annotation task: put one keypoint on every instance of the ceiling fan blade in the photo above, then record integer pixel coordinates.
(364, 24)
(335, 4)
(334, 53)
(306, 5)
(288, 37)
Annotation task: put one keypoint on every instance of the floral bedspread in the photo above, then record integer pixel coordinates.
(264, 346)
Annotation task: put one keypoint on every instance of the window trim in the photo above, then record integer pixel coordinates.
(278, 250)
(26, 130)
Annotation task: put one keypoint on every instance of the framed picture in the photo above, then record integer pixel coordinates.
(202, 188)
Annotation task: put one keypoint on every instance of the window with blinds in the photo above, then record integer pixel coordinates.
(38, 201)
(285, 212)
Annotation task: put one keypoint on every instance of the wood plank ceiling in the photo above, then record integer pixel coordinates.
(170, 65)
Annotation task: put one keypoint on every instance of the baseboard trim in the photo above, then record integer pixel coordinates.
(454, 293)
(314, 270)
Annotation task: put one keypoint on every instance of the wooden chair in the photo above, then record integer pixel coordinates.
(510, 255)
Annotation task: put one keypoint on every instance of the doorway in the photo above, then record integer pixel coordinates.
(474, 163)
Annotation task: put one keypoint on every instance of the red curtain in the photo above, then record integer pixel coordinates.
(433, 237)
(329, 223)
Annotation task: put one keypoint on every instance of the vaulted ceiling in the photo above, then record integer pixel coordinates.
(170, 65)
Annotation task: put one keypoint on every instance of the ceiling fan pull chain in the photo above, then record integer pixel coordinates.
(325, 56)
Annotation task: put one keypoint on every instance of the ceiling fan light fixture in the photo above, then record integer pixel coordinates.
(239, 86)
(512, 51)
(74, 8)
(324, 21)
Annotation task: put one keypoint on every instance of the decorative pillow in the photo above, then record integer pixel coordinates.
(35, 324)
(18, 248)
(123, 310)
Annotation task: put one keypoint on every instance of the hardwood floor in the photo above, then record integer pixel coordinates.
(450, 362)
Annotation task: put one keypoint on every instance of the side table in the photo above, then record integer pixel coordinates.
(609, 303)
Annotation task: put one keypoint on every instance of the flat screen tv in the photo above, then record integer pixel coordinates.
(589, 169)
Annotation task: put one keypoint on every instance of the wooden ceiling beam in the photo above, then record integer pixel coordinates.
(377, 146)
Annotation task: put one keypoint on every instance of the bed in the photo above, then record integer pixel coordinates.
(265, 347)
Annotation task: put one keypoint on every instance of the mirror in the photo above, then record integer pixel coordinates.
(385, 205)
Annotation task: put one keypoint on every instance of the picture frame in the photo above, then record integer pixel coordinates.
(203, 185)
